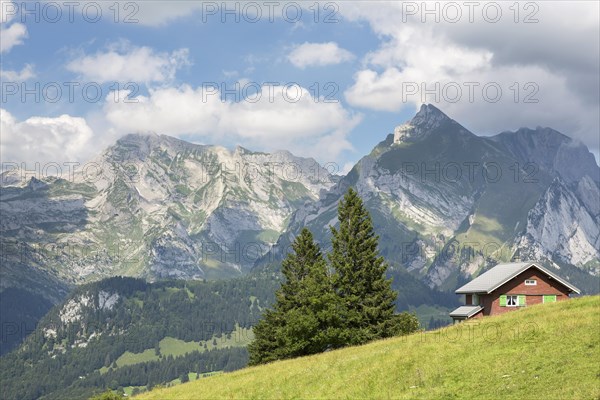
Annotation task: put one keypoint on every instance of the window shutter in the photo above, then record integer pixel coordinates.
(549, 298)
(503, 300)
(521, 300)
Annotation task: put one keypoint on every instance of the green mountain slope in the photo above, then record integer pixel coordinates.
(125, 332)
(548, 351)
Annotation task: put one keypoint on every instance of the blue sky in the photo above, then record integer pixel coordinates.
(366, 63)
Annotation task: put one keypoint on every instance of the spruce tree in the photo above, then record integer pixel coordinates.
(266, 346)
(301, 320)
(365, 297)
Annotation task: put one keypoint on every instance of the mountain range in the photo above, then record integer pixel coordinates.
(447, 204)
(149, 206)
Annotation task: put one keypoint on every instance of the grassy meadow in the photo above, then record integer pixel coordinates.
(547, 351)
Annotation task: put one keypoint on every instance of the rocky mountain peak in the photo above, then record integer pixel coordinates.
(428, 120)
(428, 113)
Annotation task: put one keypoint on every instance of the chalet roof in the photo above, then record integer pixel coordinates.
(502, 273)
(466, 311)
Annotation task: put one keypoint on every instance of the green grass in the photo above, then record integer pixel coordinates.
(175, 347)
(169, 346)
(128, 390)
(547, 351)
(192, 377)
(129, 358)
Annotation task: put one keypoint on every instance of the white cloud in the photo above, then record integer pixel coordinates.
(318, 54)
(171, 111)
(305, 126)
(125, 63)
(39, 139)
(18, 76)
(560, 58)
(12, 34)
(376, 91)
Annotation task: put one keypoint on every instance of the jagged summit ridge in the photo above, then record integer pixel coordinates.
(427, 120)
(173, 208)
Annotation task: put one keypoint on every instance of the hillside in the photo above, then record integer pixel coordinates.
(128, 333)
(548, 351)
(125, 332)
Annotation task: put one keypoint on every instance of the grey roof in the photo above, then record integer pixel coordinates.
(466, 311)
(502, 273)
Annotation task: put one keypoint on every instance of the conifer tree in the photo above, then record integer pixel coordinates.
(300, 322)
(266, 347)
(365, 297)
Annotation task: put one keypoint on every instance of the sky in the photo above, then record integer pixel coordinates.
(327, 80)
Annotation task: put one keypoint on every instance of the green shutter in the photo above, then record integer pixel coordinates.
(503, 300)
(521, 300)
(549, 298)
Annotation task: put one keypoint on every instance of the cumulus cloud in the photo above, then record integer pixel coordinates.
(42, 140)
(274, 118)
(547, 71)
(123, 62)
(12, 34)
(318, 54)
(172, 111)
(18, 76)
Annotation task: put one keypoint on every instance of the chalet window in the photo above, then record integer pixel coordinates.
(475, 300)
(530, 282)
(512, 300)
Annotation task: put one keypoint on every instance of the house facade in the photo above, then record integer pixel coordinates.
(509, 287)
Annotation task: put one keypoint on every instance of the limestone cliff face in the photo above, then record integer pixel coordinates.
(564, 225)
(155, 206)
